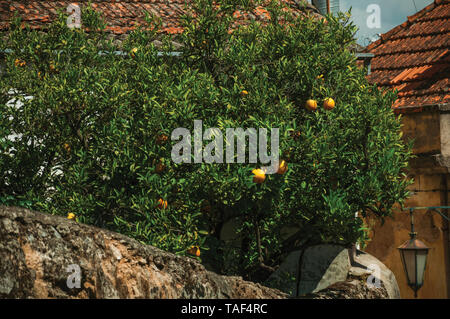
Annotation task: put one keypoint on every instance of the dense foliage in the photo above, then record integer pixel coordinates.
(94, 139)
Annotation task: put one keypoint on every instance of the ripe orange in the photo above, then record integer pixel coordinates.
(161, 139)
(311, 105)
(67, 147)
(18, 62)
(244, 93)
(194, 250)
(295, 134)
(282, 168)
(133, 52)
(259, 176)
(160, 167)
(162, 204)
(328, 104)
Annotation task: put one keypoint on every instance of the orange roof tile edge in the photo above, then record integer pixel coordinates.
(405, 55)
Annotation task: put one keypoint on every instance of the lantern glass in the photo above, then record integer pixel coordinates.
(421, 257)
(409, 262)
(414, 258)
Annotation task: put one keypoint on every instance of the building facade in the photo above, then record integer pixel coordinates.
(414, 58)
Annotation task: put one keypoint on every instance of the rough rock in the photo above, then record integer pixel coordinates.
(40, 255)
(351, 288)
(322, 266)
(364, 265)
(333, 270)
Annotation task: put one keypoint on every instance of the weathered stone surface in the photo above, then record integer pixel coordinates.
(329, 270)
(36, 249)
(365, 265)
(322, 266)
(352, 288)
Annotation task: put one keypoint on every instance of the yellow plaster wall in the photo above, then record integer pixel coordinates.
(431, 230)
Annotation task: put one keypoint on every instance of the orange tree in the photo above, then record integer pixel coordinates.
(94, 139)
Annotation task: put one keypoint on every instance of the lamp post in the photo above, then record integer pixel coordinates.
(413, 253)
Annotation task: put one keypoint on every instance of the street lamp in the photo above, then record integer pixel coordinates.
(414, 254)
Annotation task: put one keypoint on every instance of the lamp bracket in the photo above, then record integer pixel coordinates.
(435, 209)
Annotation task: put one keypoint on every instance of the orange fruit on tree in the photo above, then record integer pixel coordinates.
(162, 204)
(18, 62)
(311, 105)
(161, 139)
(133, 52)
(244, 93)
(160, 167)
(282, 168)
(328, 104)
(259, 176)
(295, 134)
(194, 250)
(67, 147)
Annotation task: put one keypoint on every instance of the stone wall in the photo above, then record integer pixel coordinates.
(39, 254)
(36, 250)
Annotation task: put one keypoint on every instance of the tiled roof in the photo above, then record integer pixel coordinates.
(414, 57)
(121, 15)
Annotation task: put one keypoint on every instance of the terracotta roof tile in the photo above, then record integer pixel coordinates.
(121, 15)
(414, 57)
